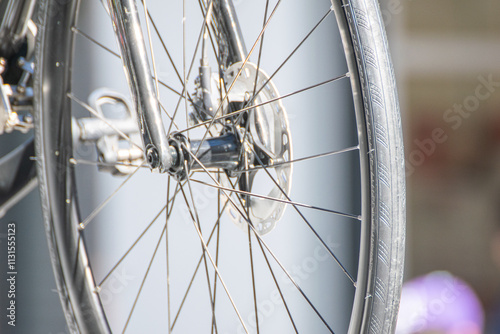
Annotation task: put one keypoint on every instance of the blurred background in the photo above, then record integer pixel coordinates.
(446, 55)
(447, 60)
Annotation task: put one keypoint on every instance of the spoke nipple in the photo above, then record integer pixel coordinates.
(72, 161)
(81, 227)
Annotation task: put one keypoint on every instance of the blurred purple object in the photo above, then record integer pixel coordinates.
(439, 302)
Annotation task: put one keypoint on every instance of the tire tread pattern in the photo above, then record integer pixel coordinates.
(383, 122)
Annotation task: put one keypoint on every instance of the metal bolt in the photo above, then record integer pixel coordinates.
(153, 157)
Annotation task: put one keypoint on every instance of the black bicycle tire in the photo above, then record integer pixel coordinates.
(53, 175)
(379, 301)
(387, 172)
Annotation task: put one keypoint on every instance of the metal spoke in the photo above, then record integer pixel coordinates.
(279, 68)
(75, 162)
(260, 51)
(256, 233)
(217, 224)
(93, 40)
(253, 276)
(277, 286)
(267, 261)
(155, 77)
(168, 115)
(184, 89)
(144, 279)
(281, 163)
(240, 111)
(339, 263)
(148, 19)
(204, 13)
(96, 211)
(131, 247)
(165, 48)
(219, 214)
(343, 214)
(181, 95)
(196, 217)
(291, 54)
(167, 254)
(259, 58)
(247, 209)
(216, 269)
(139, 238)
(219, 108)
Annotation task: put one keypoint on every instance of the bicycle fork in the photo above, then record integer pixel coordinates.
(140, 79)
(160, 153)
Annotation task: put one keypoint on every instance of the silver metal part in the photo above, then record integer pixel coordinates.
(206, 98)
(119, 155)
(140, 79)
(9, 118)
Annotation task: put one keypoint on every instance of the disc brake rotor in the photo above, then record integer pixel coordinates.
(265, 166)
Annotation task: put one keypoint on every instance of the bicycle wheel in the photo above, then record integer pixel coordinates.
(223, 242)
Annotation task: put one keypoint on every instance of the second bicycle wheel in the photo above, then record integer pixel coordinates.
(287, 213)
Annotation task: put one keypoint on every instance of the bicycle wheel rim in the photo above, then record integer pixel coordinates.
(57, 152)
